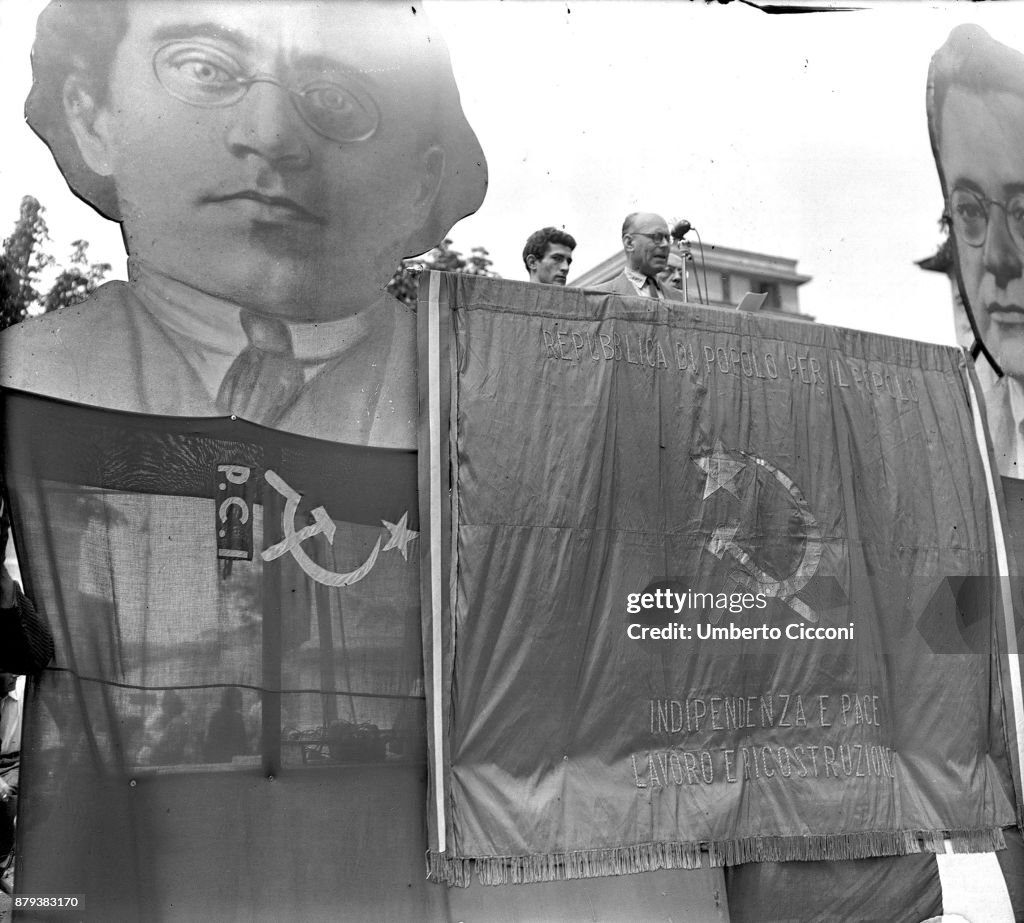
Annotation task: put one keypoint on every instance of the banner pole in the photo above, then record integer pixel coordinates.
(436, 556)
(1003, 565)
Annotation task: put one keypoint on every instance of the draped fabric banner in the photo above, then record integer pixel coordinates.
(707, 587)
(233, 727)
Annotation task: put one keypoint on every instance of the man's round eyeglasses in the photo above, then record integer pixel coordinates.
(206, 76)
(969, 211)
(659, 239)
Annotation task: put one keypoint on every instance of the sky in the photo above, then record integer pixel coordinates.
(803, 136)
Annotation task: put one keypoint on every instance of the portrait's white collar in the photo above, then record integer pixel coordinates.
(216, 323)
(207, 332)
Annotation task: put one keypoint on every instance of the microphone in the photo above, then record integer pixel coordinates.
(680, 229)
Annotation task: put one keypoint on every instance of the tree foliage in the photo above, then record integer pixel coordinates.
(76, 282)
(24, 261)
(404, 284)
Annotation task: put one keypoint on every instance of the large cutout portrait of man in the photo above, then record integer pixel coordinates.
(269, 164)
(976, 122)
(975, 102)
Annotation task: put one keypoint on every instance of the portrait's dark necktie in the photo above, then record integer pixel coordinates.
(265, 377)
(652, 288)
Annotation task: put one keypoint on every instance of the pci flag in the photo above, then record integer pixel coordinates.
(701, 587)
(236, 701)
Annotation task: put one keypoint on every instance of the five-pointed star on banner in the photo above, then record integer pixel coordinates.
(401, 535)
(721, 469)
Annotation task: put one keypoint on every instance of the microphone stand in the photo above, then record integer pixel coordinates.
(682, 248)
(684, 252)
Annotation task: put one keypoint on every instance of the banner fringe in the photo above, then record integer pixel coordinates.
(457, 871)
(965, 841)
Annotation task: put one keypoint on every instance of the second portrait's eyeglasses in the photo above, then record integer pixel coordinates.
(206, 76)
(969, 214)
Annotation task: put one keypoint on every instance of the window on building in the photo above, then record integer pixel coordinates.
(771, 289)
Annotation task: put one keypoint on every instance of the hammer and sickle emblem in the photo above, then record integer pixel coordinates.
(322, 525)
(722, 468)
